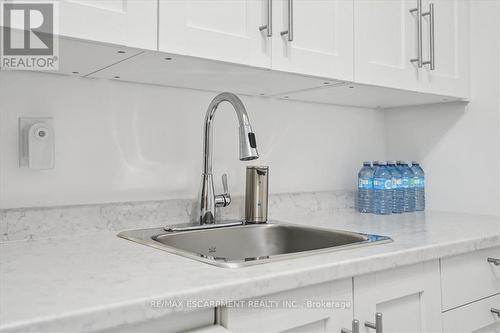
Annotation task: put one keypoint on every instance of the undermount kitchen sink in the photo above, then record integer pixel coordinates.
(251, 244)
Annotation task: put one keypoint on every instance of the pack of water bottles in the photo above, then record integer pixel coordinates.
(391, 187)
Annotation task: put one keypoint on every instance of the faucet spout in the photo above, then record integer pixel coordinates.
(248, 146)
(248, 151)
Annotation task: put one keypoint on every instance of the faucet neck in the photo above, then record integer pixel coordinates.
(241, 112)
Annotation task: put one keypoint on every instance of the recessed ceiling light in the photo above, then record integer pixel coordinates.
(116, 77)
(285, 97)
(261, 94)
(75, 72)
(326, 82)
(168, 58)
(351, 87)
(121, 51)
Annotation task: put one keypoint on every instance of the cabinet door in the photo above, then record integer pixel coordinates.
(324, 307)
(481, 277)
(322, 43)
(225, 30)
(451, 41)
(408, 298)
(474, 317)
(385, 40)
(131, 23)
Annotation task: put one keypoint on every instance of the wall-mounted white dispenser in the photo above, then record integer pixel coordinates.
(36, 143)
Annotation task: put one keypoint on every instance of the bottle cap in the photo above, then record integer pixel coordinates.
(415, 163)
(376, 162)
(382, 163)
(367, 163)
(391, 163)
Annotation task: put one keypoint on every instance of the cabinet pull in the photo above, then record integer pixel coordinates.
(289, 32)
(269, 25)
(494, 261)
(354, 329)
(418, 59)
(378, 323)
(430, 13)
(495, 311)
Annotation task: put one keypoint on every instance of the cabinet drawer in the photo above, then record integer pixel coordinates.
(472, 317)
(469, 277)
(292, 312)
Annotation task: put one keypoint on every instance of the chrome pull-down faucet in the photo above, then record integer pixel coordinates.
(248, 151)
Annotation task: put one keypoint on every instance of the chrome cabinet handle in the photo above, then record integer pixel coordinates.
(430, 13)
(289, 32)
(494, 261)
(269, 25)
(354, 329)
(418, 59)
(495, 311)
(378, 323)
(223, 200)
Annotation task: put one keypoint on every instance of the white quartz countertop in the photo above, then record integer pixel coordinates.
(96, 281)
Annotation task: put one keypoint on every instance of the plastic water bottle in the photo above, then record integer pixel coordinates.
(419, 180)
(365, 188)
(382, 188)
(397, 189)
(407, 182)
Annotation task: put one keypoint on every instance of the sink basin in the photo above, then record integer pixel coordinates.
(251, 244)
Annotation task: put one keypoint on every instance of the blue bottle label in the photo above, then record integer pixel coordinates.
(419, 182)
(407, 182)
(365, 183)
(382, 184)
(396, 183)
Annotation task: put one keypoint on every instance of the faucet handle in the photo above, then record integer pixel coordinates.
(223, 200)
(224, 184)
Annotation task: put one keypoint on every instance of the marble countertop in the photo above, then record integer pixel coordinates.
(95, 281)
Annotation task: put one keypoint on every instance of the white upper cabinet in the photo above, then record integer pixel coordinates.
(318, 39)
(226, 30)
(389, 34)
(131, 23)
(451, 40)
(385, 41)
(416, 45)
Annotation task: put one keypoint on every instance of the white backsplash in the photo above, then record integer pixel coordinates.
(121, 142)
(36, 223)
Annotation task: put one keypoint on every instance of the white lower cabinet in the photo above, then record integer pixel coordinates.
(471, 291)
(474, 317)
(469, 277)
(408, 298)
(450, 295)
(325, 307)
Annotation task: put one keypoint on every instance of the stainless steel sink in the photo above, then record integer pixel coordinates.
(252, 244)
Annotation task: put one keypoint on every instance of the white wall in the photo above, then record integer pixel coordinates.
(459, 144)
(118, 141)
